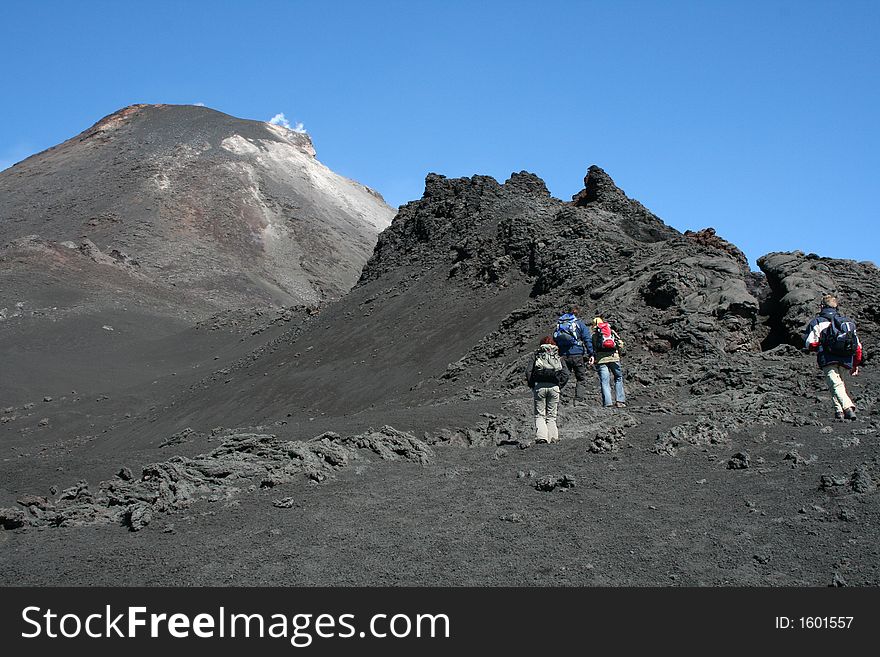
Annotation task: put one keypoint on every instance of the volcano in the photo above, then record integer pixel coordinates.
(155, 218)
(238, 213)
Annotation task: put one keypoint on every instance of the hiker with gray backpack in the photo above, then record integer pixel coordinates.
(573, 338)
(546, 375)
(838, 350)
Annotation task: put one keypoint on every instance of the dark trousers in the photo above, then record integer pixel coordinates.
(576, 365)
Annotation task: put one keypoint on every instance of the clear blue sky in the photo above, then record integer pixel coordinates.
(757, 117)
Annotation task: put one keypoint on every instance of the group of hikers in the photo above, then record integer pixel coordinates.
(574, 346)
(571, 349)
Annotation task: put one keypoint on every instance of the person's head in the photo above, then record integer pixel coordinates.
(574, 310)
(548, 340)
(597, 321)
(829, 301)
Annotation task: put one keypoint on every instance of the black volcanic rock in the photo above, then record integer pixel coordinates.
(798, 282)
(474, 228)
(637, 221)
(466, 280)
(708, 237)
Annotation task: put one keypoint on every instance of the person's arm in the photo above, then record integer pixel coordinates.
(587, 337)
(814, 330)
(857, 359)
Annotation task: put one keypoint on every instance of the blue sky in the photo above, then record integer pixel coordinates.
(756, 117)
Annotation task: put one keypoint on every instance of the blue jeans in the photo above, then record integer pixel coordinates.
(605, 379)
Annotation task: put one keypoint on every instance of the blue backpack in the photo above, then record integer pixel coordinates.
(566, 335)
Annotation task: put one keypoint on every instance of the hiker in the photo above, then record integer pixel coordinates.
(608, 348)
(573, 338)
(546, 375)
(834, 339)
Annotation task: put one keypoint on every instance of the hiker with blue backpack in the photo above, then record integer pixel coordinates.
(834, 339)
(572, 337)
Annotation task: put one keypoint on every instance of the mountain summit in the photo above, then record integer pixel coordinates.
(232, 212)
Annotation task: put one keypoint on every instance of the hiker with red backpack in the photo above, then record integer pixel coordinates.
(608, 348)
(573, 339)
(546, 375)
(834, 339)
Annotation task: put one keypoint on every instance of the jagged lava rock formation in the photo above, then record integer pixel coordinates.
(466, 280)
(799, 280)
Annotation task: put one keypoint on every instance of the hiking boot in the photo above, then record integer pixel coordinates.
(838, 415)
(620, 404)
(850, 414)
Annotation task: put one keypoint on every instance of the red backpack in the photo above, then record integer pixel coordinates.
(606, 341)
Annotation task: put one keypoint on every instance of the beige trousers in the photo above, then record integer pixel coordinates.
(834, 380)
(546, 406)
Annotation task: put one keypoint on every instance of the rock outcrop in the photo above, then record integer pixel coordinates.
(242, 463)
(635, 219)
(799, 280)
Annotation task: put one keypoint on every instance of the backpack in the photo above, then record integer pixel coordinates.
(566, 335)
(548, 367)
(606, 340)
(840, 339)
